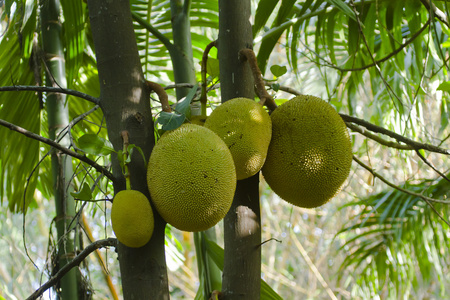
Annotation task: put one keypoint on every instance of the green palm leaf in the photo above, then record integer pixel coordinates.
(397, 236)
(19, 155)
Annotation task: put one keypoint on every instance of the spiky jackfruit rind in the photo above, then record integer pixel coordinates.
(310, 154)
(132, 218)
(191, 178)
(246, 128)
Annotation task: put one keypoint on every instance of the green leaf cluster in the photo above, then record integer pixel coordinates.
(397, 242)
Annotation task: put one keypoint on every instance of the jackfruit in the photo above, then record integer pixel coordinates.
(198, 120)
(246, 128)
(132, 218)
(191, 178)
(310, 153)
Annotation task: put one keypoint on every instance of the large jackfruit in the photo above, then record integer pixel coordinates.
(132, 218)
(191, 178)
(246, 128)
(310, 154)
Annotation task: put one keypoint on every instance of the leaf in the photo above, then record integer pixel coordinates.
(444, 86)
(170, 121)
(341, 5)
(84, 193)
(183, 106)
(131, 147)
(95, 145)
(278, 71)
(212, 67)
(275, 86)
(263, 11)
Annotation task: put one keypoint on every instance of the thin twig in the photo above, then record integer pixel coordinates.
(73, 263)
(204, 65)
(378, 139)
(377, 68)
(48, 89)
(57, 146)
(427, 162)
(415, 145)
(410, 144)
(375, 174)
(100, 259)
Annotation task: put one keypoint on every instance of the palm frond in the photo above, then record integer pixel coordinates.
(18, 154)
(397, 237)
(74, 36)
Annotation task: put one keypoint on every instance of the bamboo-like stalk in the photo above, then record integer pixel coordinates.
(58, 118)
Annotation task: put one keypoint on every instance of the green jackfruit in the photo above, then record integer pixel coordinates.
(132, 218)
(246, 128)
(191, 178)
(310, 153)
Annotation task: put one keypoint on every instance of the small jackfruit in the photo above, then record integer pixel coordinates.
(246, 128)
(132, 218)
(310, 154)
(191, 178)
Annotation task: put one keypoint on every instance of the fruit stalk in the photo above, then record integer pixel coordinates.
(203, 97)
(126, 171)
(266, 99)
(162, 95)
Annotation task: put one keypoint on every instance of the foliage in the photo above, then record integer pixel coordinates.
(396, 235)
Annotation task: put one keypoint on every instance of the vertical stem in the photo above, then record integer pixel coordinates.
(125, 103)
(182, 57)
(242, 230)
(58, 118)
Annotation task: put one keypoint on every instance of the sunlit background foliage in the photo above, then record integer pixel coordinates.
(382, 61)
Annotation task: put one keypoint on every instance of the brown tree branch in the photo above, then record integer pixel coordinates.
(374, 128)
(48, 89)
(73, 263)
(428, 200)
(410, 144)
(162, 95)
(375, 174)
(378, 139)
(203, 97)
(428, 163)
(57, 146)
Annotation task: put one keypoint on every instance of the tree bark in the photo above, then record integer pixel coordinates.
(125, 103)
(242, 230)
(58, 118)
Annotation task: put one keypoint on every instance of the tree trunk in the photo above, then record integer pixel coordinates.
(125, 103)
(58, 119)
(242, 230)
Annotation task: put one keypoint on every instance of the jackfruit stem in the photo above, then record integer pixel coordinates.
(203, 96)
(264, 96)
(162, 95)
(126, 172)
